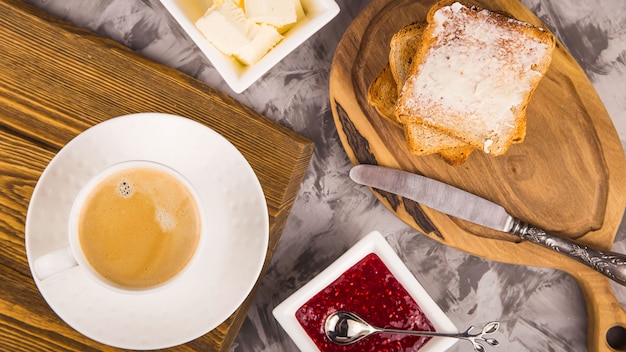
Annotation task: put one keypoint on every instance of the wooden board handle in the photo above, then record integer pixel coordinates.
(606, 317)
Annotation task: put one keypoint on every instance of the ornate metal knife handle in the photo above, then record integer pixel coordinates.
(610, 264)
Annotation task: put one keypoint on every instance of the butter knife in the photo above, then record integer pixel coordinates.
(467, 206)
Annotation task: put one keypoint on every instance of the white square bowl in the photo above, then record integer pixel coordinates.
(285, 312)
(237, 75)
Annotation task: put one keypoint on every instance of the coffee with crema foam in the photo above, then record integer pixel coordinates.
(139, 227)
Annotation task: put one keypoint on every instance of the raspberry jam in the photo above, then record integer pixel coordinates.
(370, 290)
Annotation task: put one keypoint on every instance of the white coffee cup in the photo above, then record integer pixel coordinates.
(74, 254)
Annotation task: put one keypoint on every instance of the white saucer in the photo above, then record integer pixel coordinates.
(226, 270)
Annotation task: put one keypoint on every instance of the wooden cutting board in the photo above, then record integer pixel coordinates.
(56, 81)
(567, 177)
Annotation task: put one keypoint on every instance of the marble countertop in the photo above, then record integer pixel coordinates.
(540, 309)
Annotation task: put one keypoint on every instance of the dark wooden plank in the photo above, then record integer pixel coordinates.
(57, 80)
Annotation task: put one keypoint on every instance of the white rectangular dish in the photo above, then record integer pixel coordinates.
(285, 312)
(237, 75)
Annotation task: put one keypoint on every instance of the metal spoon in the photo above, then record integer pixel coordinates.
(344, 328)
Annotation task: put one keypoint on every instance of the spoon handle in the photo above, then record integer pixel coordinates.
(420, 333)
(475, 338)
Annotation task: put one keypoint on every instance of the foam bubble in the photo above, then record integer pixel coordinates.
(125, 188)
(165, 219)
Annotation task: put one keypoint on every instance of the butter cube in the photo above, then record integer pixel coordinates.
(218, 3)
(265, 38)
(277, 13)
(231, 32)
(299, 15)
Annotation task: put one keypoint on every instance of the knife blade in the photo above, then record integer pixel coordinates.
(435, 195)
(470, 207)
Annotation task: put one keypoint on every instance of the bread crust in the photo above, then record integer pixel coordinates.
(402, 49)
(382, 94)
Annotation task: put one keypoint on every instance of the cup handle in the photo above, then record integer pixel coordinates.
(54, 262)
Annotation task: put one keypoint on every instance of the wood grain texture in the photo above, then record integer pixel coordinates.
(56, 81)
(567, 177)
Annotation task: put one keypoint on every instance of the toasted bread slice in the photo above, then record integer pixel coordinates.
(403, 46)
(474, 74)
(383, 95)
(421, 140)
